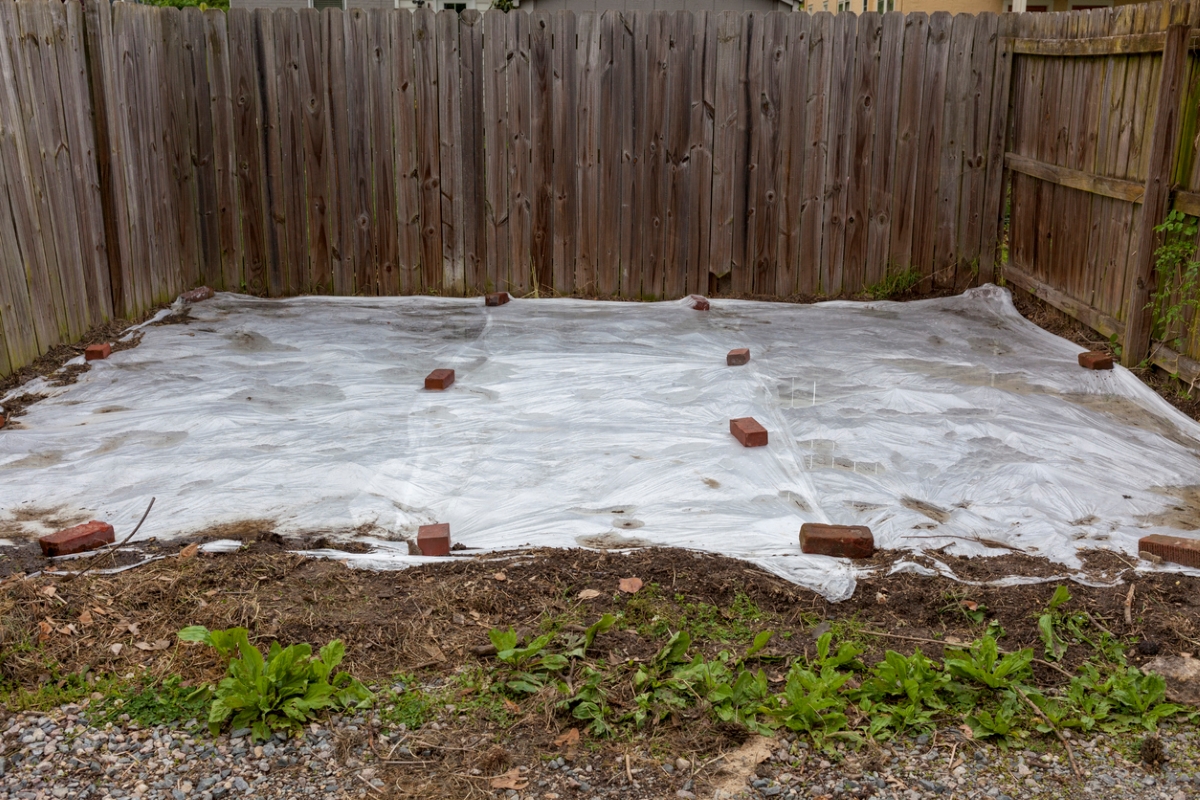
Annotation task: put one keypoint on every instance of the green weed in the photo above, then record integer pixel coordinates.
(281, 692)
(894, 284)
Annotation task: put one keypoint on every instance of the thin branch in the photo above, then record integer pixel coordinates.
(110, 551)
(1057, 732)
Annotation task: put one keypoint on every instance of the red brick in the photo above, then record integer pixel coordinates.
(1095, 359)
(3, 420)
(840, 541)
(434, 540)
(197, 294)
(94, 352)
(1176, 549)
(699, 302)
(737, 357)
(495, 299)
(87, 536)
(748, 432)
(439, 379)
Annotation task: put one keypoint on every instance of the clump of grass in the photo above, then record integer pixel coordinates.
(894, 284)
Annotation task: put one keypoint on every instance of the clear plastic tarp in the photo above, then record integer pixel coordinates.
(579, 423)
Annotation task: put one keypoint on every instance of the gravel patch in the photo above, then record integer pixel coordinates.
(59, 754)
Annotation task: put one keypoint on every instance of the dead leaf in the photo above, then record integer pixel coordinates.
(132, 627)
(434, 652)
(189, 551)
(474, 615)
(161, 644)
(49, 591)
(85, 617)
(589, 594)
(116, 649)
(511, 706)
(569, 738)
(881, 597)
(970, 605)
(45, 629)
(509, 780)
(630, 585)
(500, 576)
(458, 619)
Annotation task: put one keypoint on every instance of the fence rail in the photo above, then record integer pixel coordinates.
(640, 155)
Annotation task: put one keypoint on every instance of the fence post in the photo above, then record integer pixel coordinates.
(1158, 189)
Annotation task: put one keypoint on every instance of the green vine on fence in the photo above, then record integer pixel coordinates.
(1176, 297)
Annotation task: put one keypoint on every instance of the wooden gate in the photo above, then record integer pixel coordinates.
(1103, 111)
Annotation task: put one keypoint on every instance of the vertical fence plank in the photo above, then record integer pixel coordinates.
(334, 30)
(496, 64)
(791, 154)
(247, 133)
(866, 128)
(424, 25)
(767, 78)
(361, 164)
(608, 192)
(274, 189)
(383, 150)
(725, 121)
(700, 148)
(816, 141)
(933, 108)
(541, 141)
(470, 36)
(450, 145)
(677, 222)
(216, 37)
(178, 143)
(313, 95)
(841, 120)
(631, 83)
(958, 75)
(887, 144)
(293, 198)
(84, 144)
(978, 112)
(198, 94)
(998, 128)
(563, 103)
(135, 276)
(587, 93)
(908, 140)
(18, 341)
(408, 169)
(103, 76)
(521, 275)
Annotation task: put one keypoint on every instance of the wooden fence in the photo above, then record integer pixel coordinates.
(640, 155)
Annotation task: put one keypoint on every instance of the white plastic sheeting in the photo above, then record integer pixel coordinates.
(606, 424)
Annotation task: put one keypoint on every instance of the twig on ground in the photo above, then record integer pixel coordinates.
(628, 771)
(1057, 732)
(113, 549)
(1129, 605)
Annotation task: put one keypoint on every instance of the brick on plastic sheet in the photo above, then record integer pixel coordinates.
(439, 379)
(434, 540)
(87, 536)
(1176, 549)
(748, 432)
(95, 352)
(738, 357)
(1095, 359)
(699, 302)
(840, 541)
(495, 299)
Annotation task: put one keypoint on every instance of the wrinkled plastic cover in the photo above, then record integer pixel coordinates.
(581, 423)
